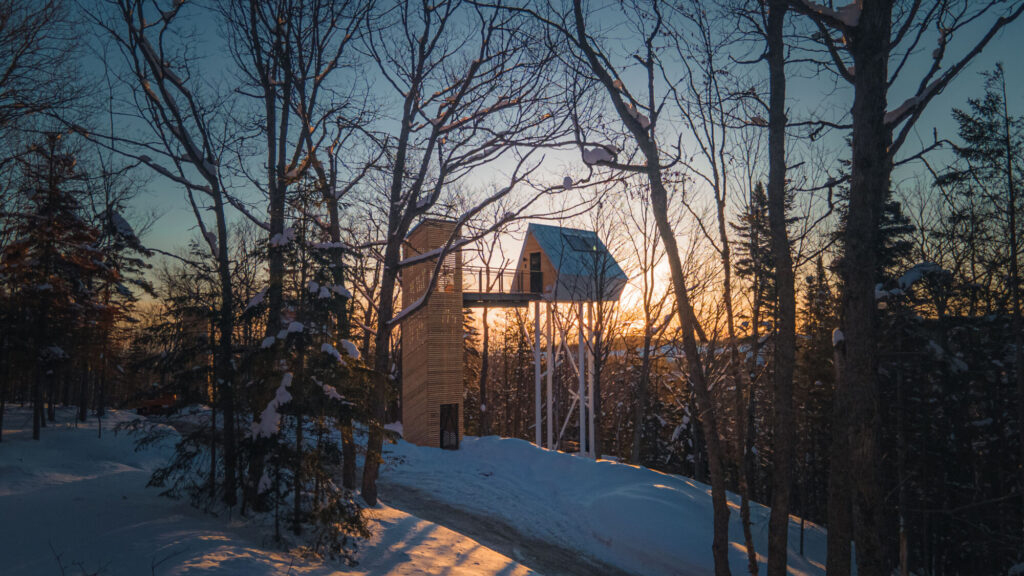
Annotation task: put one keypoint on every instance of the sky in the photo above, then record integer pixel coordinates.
(175, 223)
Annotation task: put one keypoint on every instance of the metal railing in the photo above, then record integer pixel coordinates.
(493, 280)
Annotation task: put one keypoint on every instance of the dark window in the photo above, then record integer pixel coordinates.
(450, 426)
(536, 276)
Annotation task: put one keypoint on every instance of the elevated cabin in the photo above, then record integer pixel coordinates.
(567, 265)
(557, 265)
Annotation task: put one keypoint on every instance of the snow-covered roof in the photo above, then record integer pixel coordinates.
(585, 268)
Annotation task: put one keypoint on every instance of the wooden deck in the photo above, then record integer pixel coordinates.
(498, 299)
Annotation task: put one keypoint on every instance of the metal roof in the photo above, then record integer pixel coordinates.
(586, 269)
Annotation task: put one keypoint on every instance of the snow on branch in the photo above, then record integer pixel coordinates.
(904, 110)
(331, 351)
(908, 279)
(256, 300)
(408, 310)
(847, 16)
(270, 420)
(350, 349)
(599, 154)
(283, 238)
(435, 253)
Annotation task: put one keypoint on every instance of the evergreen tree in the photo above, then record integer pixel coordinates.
(753, 251)
(813, 388)
(56, 264)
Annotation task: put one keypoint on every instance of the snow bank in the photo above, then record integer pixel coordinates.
(640, 520)
(82, 502)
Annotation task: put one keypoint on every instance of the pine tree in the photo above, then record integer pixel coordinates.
(991, 170)
(753, 252)
(321, 390)
(814, 385)
(54, 262)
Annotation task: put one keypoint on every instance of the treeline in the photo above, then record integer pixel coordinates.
(805, 329)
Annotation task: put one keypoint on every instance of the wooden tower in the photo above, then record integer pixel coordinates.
(432, 346)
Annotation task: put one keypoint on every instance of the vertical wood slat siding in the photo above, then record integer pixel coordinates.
(432, 346)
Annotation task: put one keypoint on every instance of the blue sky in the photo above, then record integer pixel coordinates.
(176, 222)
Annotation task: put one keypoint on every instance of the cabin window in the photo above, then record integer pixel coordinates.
(536, 276)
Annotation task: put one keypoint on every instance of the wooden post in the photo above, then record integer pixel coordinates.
(551, 375)
(582, 380)
(536, 374)
(590, 379)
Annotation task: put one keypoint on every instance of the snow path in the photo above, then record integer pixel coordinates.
(642, 521)
(83, 499)
(539, 554)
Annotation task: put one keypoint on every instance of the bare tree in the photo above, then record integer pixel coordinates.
(647, 255)
(785, 331)
(474, 88)
(38, 43)
(186, 143)
(638, 110)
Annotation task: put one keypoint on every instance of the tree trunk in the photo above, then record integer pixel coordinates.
(595, 392)
(51, 395)
(342, 330)
(688, 321)
(297, 476)
(708, 420)
(223, 369)
(5, 375)
(213, 411)
(381, 361)
(840, 523)
(398, 225)
(785, 339)
(83, 393)
(869, 185)
(37, 401)
(1018, 337)
(3, 398)
(641, 395)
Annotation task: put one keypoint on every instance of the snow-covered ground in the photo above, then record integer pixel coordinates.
(74, 503)
(639, 520)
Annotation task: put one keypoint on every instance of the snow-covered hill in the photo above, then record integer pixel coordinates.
(642, 521)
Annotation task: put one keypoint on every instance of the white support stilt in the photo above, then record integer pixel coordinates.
(568, 416)
(590, 379)
(551, 374)
(582, 381)
(536, 372)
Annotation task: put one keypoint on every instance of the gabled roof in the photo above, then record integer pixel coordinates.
(586, 269)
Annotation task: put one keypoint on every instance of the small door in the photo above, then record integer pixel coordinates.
(536, 276)
(449, 426)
